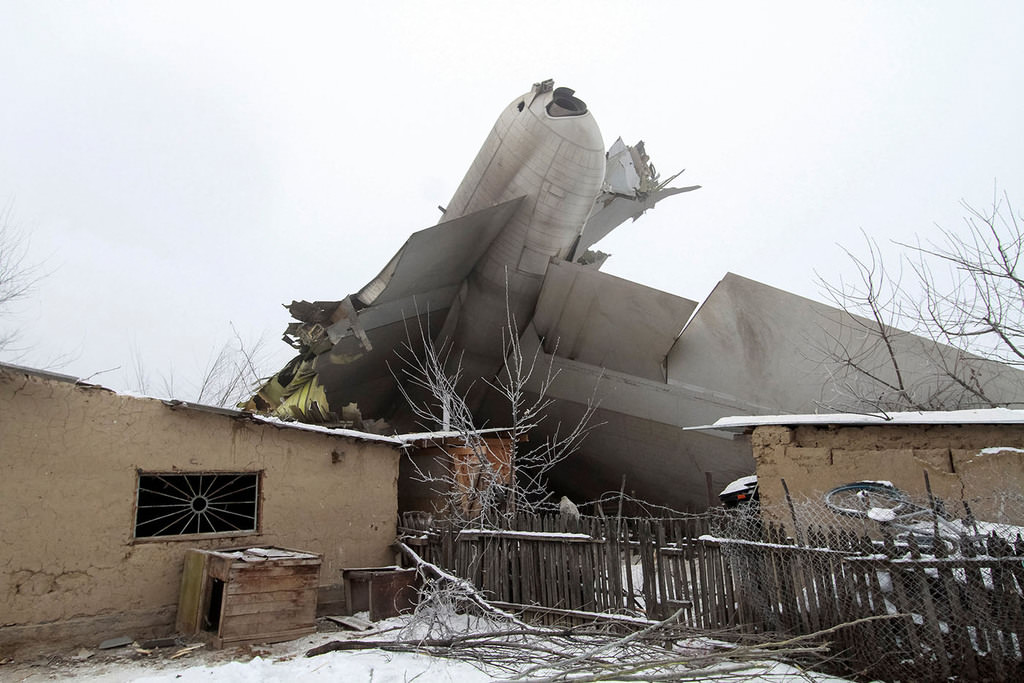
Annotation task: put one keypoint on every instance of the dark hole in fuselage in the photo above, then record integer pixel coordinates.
(569, 104)
(520, 106)
(565, 103)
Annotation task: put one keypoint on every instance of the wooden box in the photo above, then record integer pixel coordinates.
(248, 595)
(382, 591)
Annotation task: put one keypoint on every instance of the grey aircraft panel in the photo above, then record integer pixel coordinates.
(586, 315)
(440, 256)
(638, 434)
(768, 345)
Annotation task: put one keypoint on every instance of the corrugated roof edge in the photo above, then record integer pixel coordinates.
(745, 424)
(176, 404)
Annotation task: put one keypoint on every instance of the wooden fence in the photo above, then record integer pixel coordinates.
(914, 617)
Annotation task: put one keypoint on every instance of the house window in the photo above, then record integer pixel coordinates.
(199, 503)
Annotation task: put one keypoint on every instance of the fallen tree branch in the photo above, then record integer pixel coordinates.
(608, 646)
(578, 654)
(465, 588)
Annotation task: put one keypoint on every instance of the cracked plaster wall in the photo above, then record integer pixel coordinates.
(69, 457)
(814, 459)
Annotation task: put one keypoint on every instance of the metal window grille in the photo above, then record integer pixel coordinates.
(197, 503)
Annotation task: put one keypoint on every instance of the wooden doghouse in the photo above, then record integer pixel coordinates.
(249, 595)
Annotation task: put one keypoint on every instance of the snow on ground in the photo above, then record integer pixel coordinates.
(270, 663)
(287, 662)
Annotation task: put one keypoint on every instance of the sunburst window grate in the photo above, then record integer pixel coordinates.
(203, 503)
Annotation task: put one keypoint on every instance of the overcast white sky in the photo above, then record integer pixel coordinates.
(182, 165)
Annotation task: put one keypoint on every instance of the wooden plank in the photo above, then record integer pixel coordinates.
(254, 625)
(516, 561)
(803, 589)
(286, 606)
(528, 571)
(978, 598)
(731, 604)
(962, 649)
(190, 600)
(554, 535)
(295, 595)
(691, 579)
(284, 583)
(598, 597)
(588, 580)
(1009, 615)
(660, 571)
(267, 571)
(275, 636)
(703, 590)
(646, 543)
(627, 566)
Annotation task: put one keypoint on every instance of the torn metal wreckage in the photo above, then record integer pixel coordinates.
(515, 243)
(542, 189)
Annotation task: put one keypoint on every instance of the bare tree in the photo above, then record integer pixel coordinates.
(481, 482)
(233, 374)
(17, 275)
(228, 378)
(944, 330)
(980, 304)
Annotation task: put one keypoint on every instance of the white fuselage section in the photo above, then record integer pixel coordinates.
(557, 163)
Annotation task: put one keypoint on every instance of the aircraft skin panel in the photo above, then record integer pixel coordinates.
(637, 434)
(770, 345)
(659, 462)
(586, 315)
(442, 255)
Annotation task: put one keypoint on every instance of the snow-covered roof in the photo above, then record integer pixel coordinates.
(424, 437)
(746, 423)
(333, 431)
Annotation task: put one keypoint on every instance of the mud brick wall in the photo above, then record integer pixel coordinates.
(72, 571)
(814, 459)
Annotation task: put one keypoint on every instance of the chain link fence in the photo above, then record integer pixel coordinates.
(914, 588)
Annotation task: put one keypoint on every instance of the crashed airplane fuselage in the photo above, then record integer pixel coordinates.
(542, 188)
(515, 240)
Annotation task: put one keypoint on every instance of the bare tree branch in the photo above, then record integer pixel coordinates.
(484, 483)
(937, 339)
(17, 275)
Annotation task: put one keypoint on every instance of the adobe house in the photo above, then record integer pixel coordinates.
(102, 494)
(973, 456)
